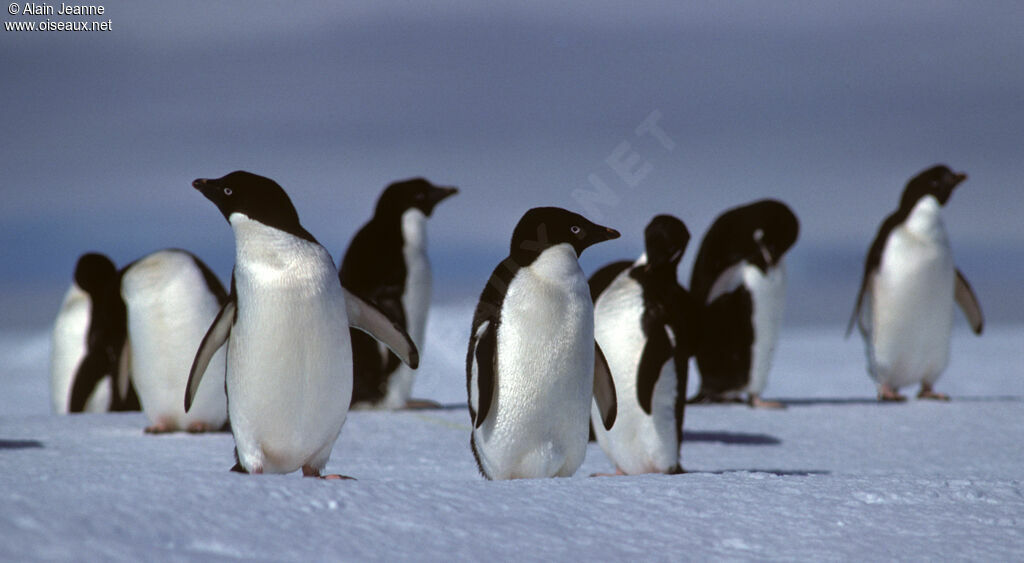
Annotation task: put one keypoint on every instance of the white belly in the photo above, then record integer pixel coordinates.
(415, 301)
(910, 301)
(545, 345)
(289, 372)
(638, 442)
(70, 331)
(768, 295)
(169, 311)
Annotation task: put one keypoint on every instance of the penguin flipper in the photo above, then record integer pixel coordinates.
(90, 371)
(604, 389)
(486, 376)
(124, 370)
(369, 319)
(657, 351)
(968, 303)
(215, 337)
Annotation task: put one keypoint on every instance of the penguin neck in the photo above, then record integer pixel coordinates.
(557, 263)
(259, 243)
(925, 220)
(414, 229)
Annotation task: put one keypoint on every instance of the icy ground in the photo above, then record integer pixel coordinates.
(835, 476)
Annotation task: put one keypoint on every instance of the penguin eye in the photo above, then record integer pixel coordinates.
(227, 191)
(575, 229)
(421, 196)
(758, 235)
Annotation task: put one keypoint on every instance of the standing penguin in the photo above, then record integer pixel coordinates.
(905, 305)
(286, 324)
(87, 339)
(533, 367)
(739, 281)
(645, 323)
(386, 265)
(172, 297)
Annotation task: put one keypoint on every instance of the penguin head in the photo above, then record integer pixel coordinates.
(415, 193)
(93, 272)
(258, 198)
(665, 239)
(938, 182)
(760, 233)
(544, 227)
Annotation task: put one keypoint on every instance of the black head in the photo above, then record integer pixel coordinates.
(760, 232)
(414, 193)
(937, 181)
(665, 239)
(258, 198)
(543, 227)
(93, 272)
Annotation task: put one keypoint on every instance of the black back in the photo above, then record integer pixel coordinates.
(258, 198)
(374, 270)
(108, 329)
(937, 181)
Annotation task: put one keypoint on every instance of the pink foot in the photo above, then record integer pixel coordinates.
(308, 471)
(927, 393)
(198, 427)
(159, 428)
(420, 404)
(887, 394)
(758, 403)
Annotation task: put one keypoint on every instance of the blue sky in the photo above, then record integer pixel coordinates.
(830, 108)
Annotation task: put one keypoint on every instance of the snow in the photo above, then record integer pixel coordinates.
(835, 476)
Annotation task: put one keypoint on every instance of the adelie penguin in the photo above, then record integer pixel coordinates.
(645, 323)
(386, 265)
(286, 326)
(739, 282)
(172, 297)
(905, 305)
(533, 368)
(88, 367)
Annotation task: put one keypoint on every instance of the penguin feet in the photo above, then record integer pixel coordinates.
(618, 473)
(199, 428)
(927, 393)
(756, 402)
(160, 428)
(421, 404)
(308, 471)
(887, 394)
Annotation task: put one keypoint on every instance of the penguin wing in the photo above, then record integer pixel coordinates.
(215, 337)
(124, 370)
(369, 319)
(657, 351)
(604, 389)
(482, 359)
(968, 303)
(91, 370)
(727, 281)
(874, 258)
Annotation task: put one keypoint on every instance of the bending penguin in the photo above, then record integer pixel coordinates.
(905, 305)
(172, 297)
(533, 368)
(286, 325)
(739, 281)
(386, 265)
(645, 324)
(88, 342)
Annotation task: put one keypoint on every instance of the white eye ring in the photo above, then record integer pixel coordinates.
(574, 229)
(758, 235)
(227, 191)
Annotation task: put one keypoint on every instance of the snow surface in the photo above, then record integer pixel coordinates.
(836, 476)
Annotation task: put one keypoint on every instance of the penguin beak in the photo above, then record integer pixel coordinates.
(610, 234)
(436, 195)
(959, 177)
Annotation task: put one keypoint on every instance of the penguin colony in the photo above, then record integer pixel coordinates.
(295, 342)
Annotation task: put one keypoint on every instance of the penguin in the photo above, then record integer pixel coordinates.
(645, 323)
(904, 308)
(533, 367)
(386, 265)
(172, 297)
(739, 282)
(88, 372)
(286, 325)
